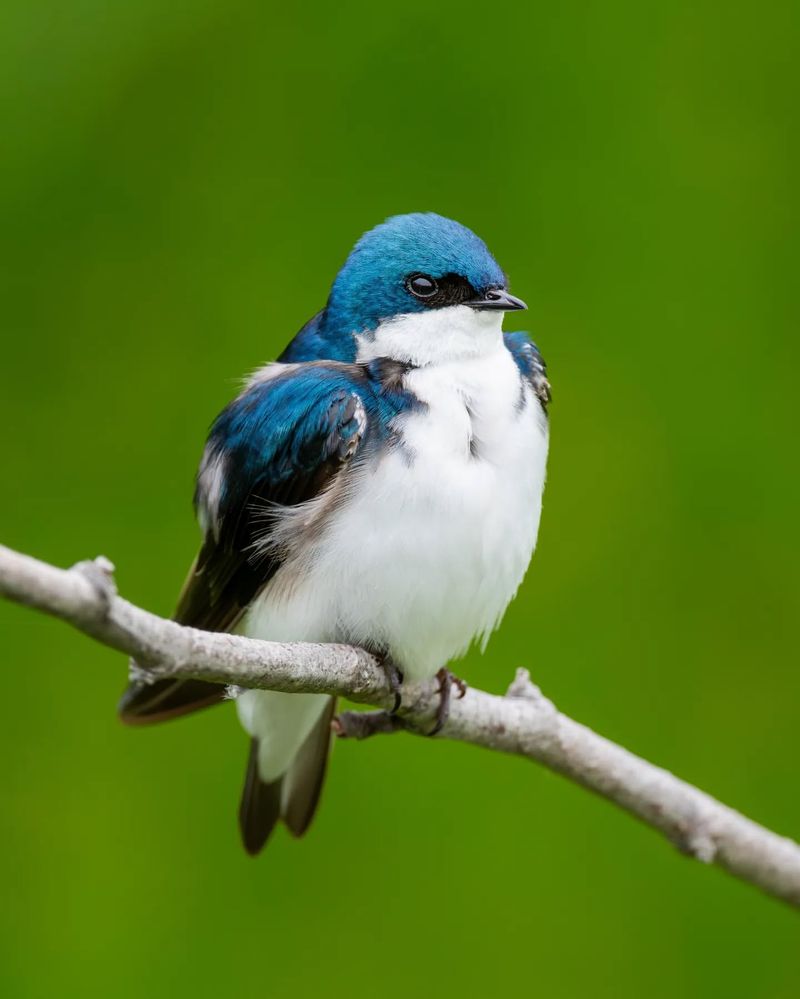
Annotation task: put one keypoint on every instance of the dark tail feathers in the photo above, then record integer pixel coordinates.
(294, 796)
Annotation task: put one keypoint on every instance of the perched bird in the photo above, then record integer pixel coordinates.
(380, 485)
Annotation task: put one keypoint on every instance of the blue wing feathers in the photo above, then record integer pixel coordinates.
(530, 363)
(280, 443)
(285, 427)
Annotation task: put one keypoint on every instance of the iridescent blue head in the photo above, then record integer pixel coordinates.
(410, 264)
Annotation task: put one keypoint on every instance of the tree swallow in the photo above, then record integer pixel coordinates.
(379, 485)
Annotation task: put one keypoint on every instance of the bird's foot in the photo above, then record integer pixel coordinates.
(363, 724)
(446, 681)
(394, 678)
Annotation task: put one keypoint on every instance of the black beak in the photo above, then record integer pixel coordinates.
(497, 299)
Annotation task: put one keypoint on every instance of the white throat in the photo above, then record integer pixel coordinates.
(454, 333)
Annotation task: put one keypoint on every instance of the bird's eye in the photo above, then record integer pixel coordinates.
(421, 285)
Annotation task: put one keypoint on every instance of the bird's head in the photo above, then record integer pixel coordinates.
(419, 288)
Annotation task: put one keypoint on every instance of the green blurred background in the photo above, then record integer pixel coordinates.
(179, 184)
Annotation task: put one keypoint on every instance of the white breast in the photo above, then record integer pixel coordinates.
(428, 547)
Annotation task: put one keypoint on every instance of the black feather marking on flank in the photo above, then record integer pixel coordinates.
(522, 396)
(390, 373)
(474, 448)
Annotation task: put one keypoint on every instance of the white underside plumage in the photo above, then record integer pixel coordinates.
(425, 549)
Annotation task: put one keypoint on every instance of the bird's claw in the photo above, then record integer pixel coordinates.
(394, 678)
(446, 681)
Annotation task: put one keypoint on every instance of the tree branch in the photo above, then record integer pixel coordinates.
(524, 722)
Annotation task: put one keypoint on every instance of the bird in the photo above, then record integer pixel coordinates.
(379, 484)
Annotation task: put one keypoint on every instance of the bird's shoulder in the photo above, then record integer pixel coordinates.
(315, 342)
(291, 427)
(530, 363)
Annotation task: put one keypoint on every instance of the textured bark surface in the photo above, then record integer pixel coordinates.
(524, 722)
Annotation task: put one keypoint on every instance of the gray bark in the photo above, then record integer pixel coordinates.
(524, 722)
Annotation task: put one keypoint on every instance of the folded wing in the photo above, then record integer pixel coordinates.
(283, 441)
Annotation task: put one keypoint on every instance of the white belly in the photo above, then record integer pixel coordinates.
(431, 543)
